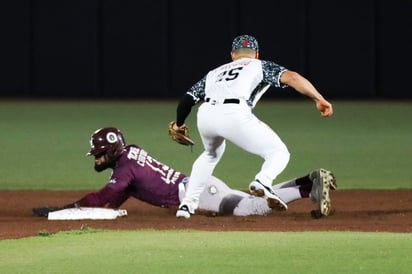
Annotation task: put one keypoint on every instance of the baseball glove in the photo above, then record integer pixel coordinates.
(181, 135)
(44, 211)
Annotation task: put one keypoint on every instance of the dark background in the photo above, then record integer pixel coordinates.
(159, 48)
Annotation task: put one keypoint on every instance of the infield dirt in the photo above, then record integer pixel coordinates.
(353, 210)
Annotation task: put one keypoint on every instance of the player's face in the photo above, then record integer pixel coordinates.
(99, 159)
(100, 163)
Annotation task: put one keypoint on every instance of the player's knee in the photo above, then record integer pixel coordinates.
(229, 203)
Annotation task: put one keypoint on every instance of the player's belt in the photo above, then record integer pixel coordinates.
(226, 101)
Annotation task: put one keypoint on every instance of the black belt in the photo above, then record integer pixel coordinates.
(226, 101)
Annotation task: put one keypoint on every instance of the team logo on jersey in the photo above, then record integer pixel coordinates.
(212, 189)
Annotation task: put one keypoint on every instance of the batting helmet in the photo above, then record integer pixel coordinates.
(109, 141)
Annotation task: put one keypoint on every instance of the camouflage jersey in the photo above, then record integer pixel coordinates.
(246, 79)
(139, 175)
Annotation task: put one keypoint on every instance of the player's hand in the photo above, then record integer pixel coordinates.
(44, 211)
(180, 134)
(177, 128)
(324, 107)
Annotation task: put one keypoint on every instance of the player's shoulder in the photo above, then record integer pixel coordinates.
(131, 152)
(271, 65)
(267, 62)
(128, 147)
(222, 66)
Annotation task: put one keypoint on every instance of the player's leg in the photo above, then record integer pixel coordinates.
(257, 138)
(291, 190)
(302, 184)
(202, 170)
(204, 165)
(252, 205)
(290, 194)
(214, 192)
(217, 197)
(316, 185)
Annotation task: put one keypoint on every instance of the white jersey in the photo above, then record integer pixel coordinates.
(245, 79)
(230, 92)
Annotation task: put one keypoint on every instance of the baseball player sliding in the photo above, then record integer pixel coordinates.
(229, 93)
(135, 173)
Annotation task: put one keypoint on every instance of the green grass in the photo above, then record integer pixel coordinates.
(366, 144)
(207, 252)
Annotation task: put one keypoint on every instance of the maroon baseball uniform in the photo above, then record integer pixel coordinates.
(139, 175)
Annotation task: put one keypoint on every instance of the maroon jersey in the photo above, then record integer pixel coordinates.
(139, 175)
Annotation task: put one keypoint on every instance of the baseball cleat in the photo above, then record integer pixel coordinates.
(183, 212)
(322, 182)
(275, 204)
(256, 188)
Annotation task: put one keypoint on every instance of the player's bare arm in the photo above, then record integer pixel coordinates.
(303, 86)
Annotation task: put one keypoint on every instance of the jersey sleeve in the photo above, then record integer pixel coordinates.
(113, 194)
(197, 91)
(107, 196)
(184, 108)
(272, 73)
(193, 96)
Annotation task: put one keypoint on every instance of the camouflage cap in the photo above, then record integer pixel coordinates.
(245, 41)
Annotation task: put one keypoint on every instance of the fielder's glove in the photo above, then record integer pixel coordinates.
(180, 135)
(44, 211)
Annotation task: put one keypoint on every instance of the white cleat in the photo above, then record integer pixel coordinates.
(183, 212)
(256, 188)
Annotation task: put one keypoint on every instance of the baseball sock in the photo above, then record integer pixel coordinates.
(304, 184)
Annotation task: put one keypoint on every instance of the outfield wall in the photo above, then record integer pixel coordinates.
(159, 48)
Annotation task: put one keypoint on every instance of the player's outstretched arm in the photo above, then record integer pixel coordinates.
(303, 86)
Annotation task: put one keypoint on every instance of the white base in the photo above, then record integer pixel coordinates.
(82, 213)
